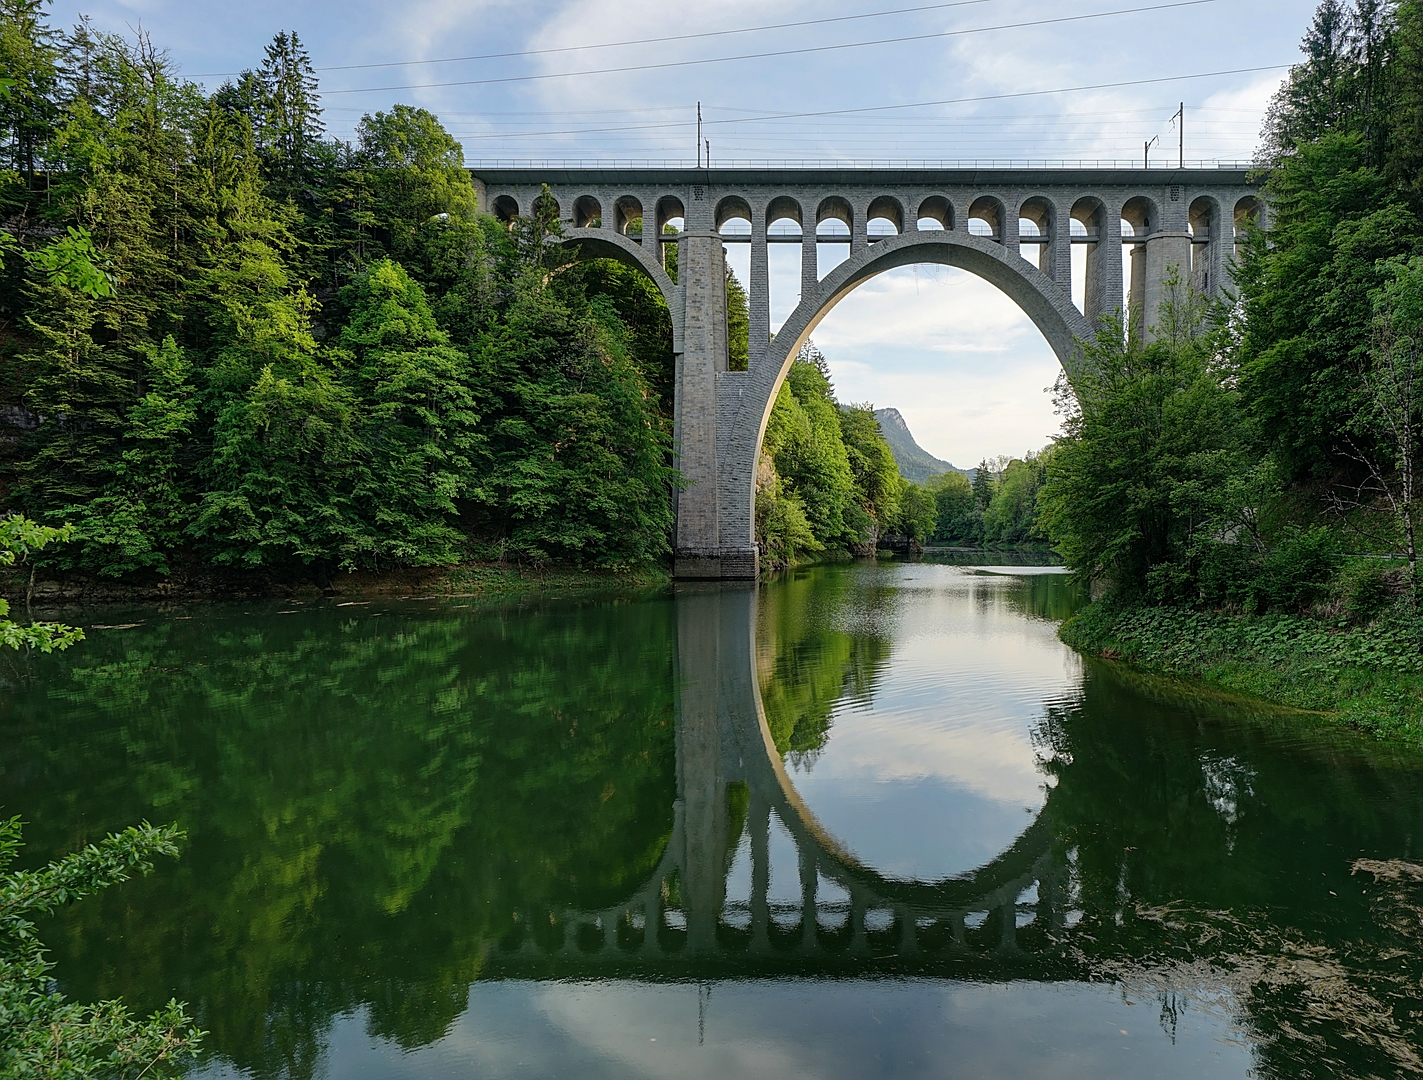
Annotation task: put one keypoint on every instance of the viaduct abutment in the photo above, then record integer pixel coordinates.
(1013, 227)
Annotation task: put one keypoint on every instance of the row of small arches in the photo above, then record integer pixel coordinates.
(886, 216)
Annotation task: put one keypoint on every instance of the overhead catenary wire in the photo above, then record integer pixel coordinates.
(869, 109)
(519, 53)
(774, 53)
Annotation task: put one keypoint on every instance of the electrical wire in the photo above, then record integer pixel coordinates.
(624, 44)
(773, 53)
(887, 108)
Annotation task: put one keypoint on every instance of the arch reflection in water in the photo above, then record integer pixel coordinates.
(752, 880)
(406, 817)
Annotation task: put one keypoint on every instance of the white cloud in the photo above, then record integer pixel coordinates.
(957, 357)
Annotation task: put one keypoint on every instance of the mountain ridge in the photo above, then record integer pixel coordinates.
(915, 463)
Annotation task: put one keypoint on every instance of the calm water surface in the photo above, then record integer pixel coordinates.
(867, 820)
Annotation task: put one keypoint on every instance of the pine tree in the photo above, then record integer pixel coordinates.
(1405, 136)
(29, 59)
(290, 126)
(1318, 93)
(983, 484)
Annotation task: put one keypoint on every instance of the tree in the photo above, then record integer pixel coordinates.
(285, 455)
(958, 517)
(1391, 426)
(984, 481)
(1305, 296)
(19, 539)
(410, 183)
(145, 507)
(918, 513)
(580, 455)
(878, 485)
(738, 323)
(783, 531)
(290, 128)
(803, 439)
(42, 1035)
(1135, 484)
(29, 108)
(420, 423)
(1319, 93)
(1404, 162)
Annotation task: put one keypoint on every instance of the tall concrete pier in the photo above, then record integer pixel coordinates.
(1013, 227)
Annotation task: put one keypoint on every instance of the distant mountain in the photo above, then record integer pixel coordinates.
(915, 463)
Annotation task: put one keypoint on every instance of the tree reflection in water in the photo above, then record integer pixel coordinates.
(368, 799)
(385, 807)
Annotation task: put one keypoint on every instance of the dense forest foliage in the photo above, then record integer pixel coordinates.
(998, 507)
(827, 480)
(1265, 454)
(302, 352)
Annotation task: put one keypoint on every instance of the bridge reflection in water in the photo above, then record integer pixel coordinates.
(850, 918)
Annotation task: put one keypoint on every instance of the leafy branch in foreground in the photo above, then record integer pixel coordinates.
(19, 536)
(41, 1034)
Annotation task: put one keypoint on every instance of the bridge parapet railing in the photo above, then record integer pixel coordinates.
(865, 164)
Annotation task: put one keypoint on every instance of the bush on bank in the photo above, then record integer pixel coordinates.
(1370, 676)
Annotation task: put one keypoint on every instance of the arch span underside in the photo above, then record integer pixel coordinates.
(1048, 306)
(1173, 222)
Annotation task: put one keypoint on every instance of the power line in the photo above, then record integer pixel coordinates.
(624, 44)
(887, 108)
(774, 53)
(1003, 97)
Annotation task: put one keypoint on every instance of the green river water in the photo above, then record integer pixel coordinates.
(866, 820)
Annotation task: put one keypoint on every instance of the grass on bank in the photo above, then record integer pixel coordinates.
(1368, 676)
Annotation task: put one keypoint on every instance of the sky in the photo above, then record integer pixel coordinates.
(956, 357)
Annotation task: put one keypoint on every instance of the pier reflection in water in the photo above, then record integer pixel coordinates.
(658, 837)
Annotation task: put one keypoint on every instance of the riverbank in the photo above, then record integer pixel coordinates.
(1368, 676)
(486, 580)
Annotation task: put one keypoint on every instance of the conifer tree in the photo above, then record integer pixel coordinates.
(983, 484)
(289, 117)
(29, 62)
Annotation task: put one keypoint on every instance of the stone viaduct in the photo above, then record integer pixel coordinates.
(1013, 227)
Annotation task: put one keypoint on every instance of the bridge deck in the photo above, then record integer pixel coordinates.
(1232, 176)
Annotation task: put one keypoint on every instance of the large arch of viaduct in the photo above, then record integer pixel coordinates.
(1185, 222)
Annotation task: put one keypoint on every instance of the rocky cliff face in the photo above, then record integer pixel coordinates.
(915, 463)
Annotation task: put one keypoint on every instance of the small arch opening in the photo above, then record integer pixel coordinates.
(1087, 227)
(784, 208)
(671, 219)
(885, 217)
(625, 215)
(733, 222)
(1035, 222)
(733, 209)
(506, 208)
(1139, 220)
(587, 212)
(986, 217)
(834, 209)
(833, 220)
(1202, 218)
(935, 212)
(1203, 223)
(1248, 212)
(1140, 214)
(784, 238)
